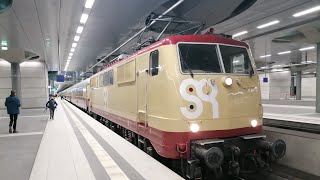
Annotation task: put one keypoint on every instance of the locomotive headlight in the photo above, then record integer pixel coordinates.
(227, 81)
(194, 127)
(254, 123)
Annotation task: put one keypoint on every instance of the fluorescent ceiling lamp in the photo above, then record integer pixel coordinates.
(268, 24)
(69, 57)
(239, 34)
(79, 29)
(4, 43)
(4, 48)
(70, 54)
(308, 11)
(304, 62)
(68, 60)
(268, 55)
(234, 62)
(89, 3)
(284, 52)
(74, 45)
(263, 67)
(84, 18)
(72, 50)
(306, 48)
(76, 38)
(277, 65)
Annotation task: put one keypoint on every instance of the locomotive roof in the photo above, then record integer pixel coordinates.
(181, 38)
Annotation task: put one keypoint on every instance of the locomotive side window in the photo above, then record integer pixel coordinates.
(101, 80)
(236, 60)
(110, 77)
(154, 63)
(105, 79)
(199, 58)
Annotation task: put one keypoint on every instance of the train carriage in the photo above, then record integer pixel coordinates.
(192, 97)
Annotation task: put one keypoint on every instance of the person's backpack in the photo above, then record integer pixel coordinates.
(51, 104)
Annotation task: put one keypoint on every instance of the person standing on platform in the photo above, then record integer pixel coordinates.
(13, 103)
(52, 105)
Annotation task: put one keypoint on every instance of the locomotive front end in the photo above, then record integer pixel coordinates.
(221, 103)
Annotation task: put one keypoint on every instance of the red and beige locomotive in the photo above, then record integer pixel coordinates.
(192, 99)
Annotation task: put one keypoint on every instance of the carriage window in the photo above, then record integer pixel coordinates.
(199, 58)
(236, 60)
(154, 63)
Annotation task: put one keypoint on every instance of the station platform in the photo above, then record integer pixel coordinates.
(72, 146)
(298, 115)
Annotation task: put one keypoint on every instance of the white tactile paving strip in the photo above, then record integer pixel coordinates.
(112, 169)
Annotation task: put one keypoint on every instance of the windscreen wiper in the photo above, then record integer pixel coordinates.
(185, 64)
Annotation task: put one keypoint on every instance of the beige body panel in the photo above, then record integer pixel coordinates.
(158, 100)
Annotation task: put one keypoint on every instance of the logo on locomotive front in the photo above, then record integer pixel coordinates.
(205, 90)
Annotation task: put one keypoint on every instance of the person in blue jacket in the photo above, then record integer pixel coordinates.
(52, 105)
(13, 103)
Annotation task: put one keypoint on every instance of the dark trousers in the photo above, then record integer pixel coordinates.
(13, 120)
(51, 113)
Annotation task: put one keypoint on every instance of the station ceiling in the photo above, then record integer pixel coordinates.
(48, 27)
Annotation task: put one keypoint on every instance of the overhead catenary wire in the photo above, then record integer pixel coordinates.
(134, 36)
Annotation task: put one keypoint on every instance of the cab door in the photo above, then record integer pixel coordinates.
(146, 68)
(142, 77)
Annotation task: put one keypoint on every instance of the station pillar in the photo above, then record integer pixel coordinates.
(318, 80)
(292, 84)
(298, 85)
(16, 78)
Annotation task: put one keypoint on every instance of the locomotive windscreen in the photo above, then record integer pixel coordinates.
(199, 58)
(236, 60)
(204, 58)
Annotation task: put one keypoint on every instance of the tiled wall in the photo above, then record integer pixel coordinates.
(34, 84)
(308, 87)
(5, 81)
(277, 87)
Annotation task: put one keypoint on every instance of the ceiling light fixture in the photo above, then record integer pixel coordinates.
(239, 34)
(84, 18)
(4, 43)
(69, 57)
(4, 48)
(268, 24)
(72, 50)
(74, 45)
(306, 48)
(268, 55)
(308, 11)
(70, 54)
(76, 38)
(89, 4)
(305, 62)
(79, 29)
(284, 52)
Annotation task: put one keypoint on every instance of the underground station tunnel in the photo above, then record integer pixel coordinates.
(159, 89)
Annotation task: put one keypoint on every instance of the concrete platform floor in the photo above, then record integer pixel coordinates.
(18, 151)
(73, 146)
